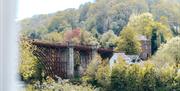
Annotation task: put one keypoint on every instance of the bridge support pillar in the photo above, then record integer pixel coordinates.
(94, 51)
(70, 73)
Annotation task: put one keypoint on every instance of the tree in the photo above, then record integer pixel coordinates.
(148, 76)
(121, 10)
(87, 38)
(118, 76)
(157, 32)
(28, 62)
(72, 36)
(102, 17)
(103, 75)
(34, 27)
(154, 43)
(90, 74)
(57, 24)
(143, 77)
(166, 78)
(128, 42)
(142, 24)
(168, 53)
(53, 37)
(84, 12)
(159, 8)
(80, 36)
(108, 39)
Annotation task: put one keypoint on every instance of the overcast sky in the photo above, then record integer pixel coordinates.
(28, 8)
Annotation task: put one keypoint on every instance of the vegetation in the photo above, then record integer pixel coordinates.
(90, 74)
(168, 54)
(98, 73)
(144, 77)
(144, 24)
(104, 15)
(108, 39)
(136, 77)
(50, 85)
(29, 65)
(109, 24)
(128, 42)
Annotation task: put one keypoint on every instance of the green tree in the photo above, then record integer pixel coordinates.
(157, 32)
(34, 27)
(87, 38)
(102, 16)
(108, 39)
(168, 53)
(154, 43)
(135, 76)
(128, 42)
(118, 76)
(90, 74)
(121, 10)
(142, 24)
(84, 11)
(103, 75)
(148, 77)
(166, 78)
(53, 37)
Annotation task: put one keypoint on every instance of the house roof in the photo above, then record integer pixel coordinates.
(142, 37)
(128, 58)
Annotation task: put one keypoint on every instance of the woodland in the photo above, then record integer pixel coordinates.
(108, 24)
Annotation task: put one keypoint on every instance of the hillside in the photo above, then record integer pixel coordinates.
(101, 16)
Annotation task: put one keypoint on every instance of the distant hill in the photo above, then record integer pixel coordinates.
(101, 16)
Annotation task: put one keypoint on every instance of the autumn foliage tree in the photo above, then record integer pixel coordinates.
(80, 36)
(29, 65)
(72, 36)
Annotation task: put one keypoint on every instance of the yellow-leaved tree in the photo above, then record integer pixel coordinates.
(28, 65)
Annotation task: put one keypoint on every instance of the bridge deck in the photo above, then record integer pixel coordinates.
(66, 45)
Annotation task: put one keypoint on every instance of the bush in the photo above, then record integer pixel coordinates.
(29, 67)
(148, 77)
(50, 85)
(103, 76)
(98, 73)
(176, 83)
(168, 54)
(60, 87)
(133, 78)
(90, 74)
(144, 77)
(118, 77)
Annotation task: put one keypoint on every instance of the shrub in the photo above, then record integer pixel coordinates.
(103, 76)
(118, 77)
(148, 77)
(144, 77)
(168, 54)
(133, 78)
(29, 67)
(50, 85)
(60, 87)
(98, 73)
(176, 83)
(90, 74)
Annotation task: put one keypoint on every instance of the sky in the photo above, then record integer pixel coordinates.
(28, 8)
